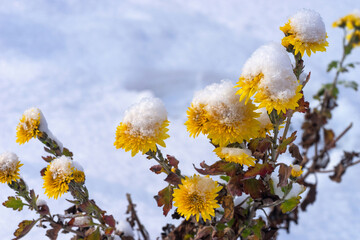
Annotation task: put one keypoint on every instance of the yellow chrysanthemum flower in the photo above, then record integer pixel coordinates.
(58, 174)
(28, 126)
(248, 87)
(144, 126)
(196, 120)
(349, 21)
(130, 139)
(216, 112)
(265, 124)
(196, 196)
(305, 31)
(354, 37)
(265, 100)
(296, 170)
(236, 155)
(228, 125)
(9, 167)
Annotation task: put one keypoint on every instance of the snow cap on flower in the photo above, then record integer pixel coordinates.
(305, 31)
(236, 155)
(296, 170)
(276, 84)
(82, 221)
(144, 125)
(217, 112)
(29, 125)
(9, 167)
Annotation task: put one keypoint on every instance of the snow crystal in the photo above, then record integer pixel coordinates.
(274, 63)
(235, 151)
(264, 117)
(296, 168)
(82, 221)
(124, 226)
(61, 166)
(40, 202)
(8, 161)
(220, 100)
(308, 26)
(145, 115)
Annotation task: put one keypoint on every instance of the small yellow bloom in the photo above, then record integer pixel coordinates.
(196, 196)
(349, 21)
(9, 167)
(196, 120)
(143, 127)
(236, 155)
(296, 170)
(354, 37)
(305, 31)
(128, 138)
(58, 174)
(28, 126)
(265, 100)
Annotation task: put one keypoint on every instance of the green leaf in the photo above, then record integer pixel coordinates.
(257, 227)
(225, 178)
(290, 204)
(23, 228)
(348, 49)
(14, 202)
(349, 84)
(332, 64)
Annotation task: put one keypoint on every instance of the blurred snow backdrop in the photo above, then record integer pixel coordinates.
(84, 62)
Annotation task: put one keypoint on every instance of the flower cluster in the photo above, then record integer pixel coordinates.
(196, 196)
(59, 173)
(9, 167)
(305, 31)
(143, 127)
(351, 23)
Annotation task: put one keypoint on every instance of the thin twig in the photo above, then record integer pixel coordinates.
(142, 229)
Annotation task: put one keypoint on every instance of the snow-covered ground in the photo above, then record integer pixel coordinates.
(83, 63)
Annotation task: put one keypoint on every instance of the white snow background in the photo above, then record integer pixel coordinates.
(83, 63)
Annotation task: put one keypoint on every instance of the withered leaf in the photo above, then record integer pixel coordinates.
(204, 233)
(173, 179)
(156, 169)
(339, 170)
(109, 220)
(172, 161)
(283, 143)
(228, 205)
(48, 158)
(258, 169)
(94, 235)
(254, 187)
(310, 197)
(303, 105)
(23, 228)
(165, 198)
(329, 136)
(54, 231)
(235, 186)
(218, 168)
(259, 145)
(295, 152)
(284, 174)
